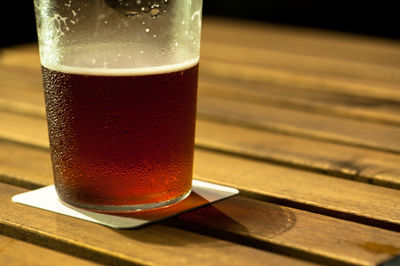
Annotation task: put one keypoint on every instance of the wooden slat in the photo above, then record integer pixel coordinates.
(302, 41)
(352, 132)
(317, 190)
(360, 164)
(25, 56)
(274, 227)
(20, 78)
(24, 166)
(21, 101)
(317, 235)
(17, 252)
(154, 245)
(33, 130)
(304, 189)
(307, 64)
(359, 107)
(296, 79)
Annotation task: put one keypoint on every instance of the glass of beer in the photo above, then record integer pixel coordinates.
(120, 85)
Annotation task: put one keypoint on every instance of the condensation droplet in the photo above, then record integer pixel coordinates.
(131, 13)
(154, 12)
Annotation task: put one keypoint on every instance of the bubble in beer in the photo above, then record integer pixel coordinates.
(154, 12)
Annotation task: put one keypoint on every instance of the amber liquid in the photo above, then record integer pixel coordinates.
(121, 140)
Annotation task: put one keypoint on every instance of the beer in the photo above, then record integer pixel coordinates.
(121, 138)
(120, 83)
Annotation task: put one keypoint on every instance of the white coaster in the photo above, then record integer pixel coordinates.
(203, 193)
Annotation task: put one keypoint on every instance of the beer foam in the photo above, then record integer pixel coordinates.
(133, 71)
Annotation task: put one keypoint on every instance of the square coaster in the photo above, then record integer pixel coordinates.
(203, 193)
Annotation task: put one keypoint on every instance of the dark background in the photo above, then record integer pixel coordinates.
(374, 18)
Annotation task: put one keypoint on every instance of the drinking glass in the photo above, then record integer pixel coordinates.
(120, 85)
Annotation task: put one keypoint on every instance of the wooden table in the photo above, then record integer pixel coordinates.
(305, 123)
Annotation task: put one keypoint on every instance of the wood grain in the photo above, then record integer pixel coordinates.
(302, 188)
(301, 41)
(296, 79)
(335, 129)
(154, 245)
(270, 97)
(17, 100)
(282, 227)
(25, 129)
(25, 166)
(296, 186)
(300, 63)
(359, 164)
(24, 56)
(264, 225)
(17, 252)
(333, 103)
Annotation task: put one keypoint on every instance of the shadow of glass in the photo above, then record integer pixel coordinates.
(244, 217)
(235, 219)
(171, 232)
